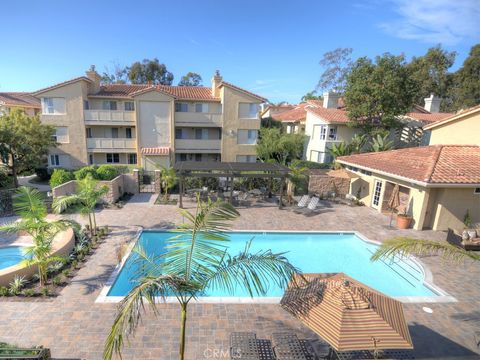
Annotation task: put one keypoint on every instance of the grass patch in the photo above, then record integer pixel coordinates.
(162, 200)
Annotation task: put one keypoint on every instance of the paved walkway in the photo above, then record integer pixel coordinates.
(75, 327)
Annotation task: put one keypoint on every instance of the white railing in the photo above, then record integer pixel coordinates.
(109, 116)
(193, 119)
(194, 144)
(110, 143)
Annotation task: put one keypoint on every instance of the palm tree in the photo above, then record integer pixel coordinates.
(405, 246)
(340, 149)
(381, 143)
(196, 259)
(296, 178)
(169, 179)
(29, 204)
(84, 201)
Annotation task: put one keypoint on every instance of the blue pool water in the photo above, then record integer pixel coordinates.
(10, 255)
(310, 252)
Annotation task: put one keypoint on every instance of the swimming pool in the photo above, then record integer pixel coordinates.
(10, 255)
(311, 252)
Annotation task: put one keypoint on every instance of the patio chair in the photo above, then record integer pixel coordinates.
(245, 345)
(303, 201)
(287, 346)
(243, 199)
(312, 205)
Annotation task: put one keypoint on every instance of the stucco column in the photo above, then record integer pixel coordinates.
(420, 209)
(158, 181)
(136, 178)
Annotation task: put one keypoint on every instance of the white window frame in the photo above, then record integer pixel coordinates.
(54, 160)
(377, 194)
(252, 112)
(53, 106)
(323, 132)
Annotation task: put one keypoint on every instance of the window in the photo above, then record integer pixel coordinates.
(247, 158)
(89, 133)
(181, 107)
(86, 105)
(247, 137)
(132, 158)
(183, 157)
(53, 106)
(113, 158)
(179, 134)
(247, 111)
(332, 133)
(61, 135)
(128, 133)
(54, 160)
(109, 105)
(129, 106)
(377, 192)
(476, 191)
(201, 134)
(90, 159)
(201, 108)
(115, 133)
(198, 157)
(323, 132)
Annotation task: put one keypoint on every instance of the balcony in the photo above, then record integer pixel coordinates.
(111, 145)
(198, 146)
(109, 117)
(198, 119)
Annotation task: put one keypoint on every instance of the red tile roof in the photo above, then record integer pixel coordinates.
(298, 113)
(435, 164)
(330, 115)
(71, 81)
(428, 117)
(20, 99)
(160, 150)
(454, 117)
(224, 83)
(277, 109)
(178, 92)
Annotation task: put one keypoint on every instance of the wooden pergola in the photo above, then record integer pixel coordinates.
(229, 170)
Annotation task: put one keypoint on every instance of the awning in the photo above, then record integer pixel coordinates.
(160, 150)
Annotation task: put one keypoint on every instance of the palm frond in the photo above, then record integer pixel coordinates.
(61, 203)
(252, 271)
(201, 242)
(404, 246)
(129, 311)
(29, 203)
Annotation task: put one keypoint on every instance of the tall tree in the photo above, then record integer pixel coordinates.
(196, 259)
(190, 79)
(149, 71)
(467, 81)
(378, 92)
(430, 72)
(337, 64)
(117, 75)
(311, 95)
(24, 142)
(274, 145)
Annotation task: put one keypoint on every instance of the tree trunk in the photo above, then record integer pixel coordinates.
(181, 353)
(90, 222)
(94, 223)
(14, 173)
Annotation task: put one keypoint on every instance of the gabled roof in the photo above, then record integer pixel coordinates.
(330, 115)
(178, 92)
(277, 108)
(20, 99)
(426, 165)
(68, 82)
(454, 117)
(224, 83)
(428, 117)
(298, 113)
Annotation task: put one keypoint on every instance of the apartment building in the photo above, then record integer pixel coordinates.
(19, 100)
(149, 125)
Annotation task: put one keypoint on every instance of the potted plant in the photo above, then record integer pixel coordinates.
(404, 220)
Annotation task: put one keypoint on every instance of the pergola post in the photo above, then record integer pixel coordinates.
(282, 185)
(231, 190)
(180, 191)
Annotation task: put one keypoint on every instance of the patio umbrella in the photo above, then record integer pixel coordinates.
(394, 201)
(346, 313)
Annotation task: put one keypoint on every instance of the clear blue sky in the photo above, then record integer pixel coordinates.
(270, 47)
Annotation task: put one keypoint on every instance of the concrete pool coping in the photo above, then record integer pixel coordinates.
(442, 297)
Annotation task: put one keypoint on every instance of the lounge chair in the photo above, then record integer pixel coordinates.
(303, 201)
(245, 345)
(312, 205)
(456, 239)
(287, 346)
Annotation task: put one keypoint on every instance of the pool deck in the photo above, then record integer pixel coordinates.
(75, 327)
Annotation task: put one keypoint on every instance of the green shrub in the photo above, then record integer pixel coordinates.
(28, 292)
(66, 273)
(4, 177)
(60, 176)
(45, 291)
(310, 164)
(57, 280)
(82, 173)
(107, 172)
(17, 284)
(4, 291)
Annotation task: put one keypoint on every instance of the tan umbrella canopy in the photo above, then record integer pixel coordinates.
(394, 200)
(346, 313)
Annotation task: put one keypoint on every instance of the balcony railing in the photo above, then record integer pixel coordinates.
(101, 144)
(193, 145)
(109, 117)
(198, 119)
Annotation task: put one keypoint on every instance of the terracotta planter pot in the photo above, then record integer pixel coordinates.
(403, 221)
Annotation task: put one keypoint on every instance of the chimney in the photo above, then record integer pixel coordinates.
(432, 103)
(330, 100)
(216, 81)
(95, 77)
